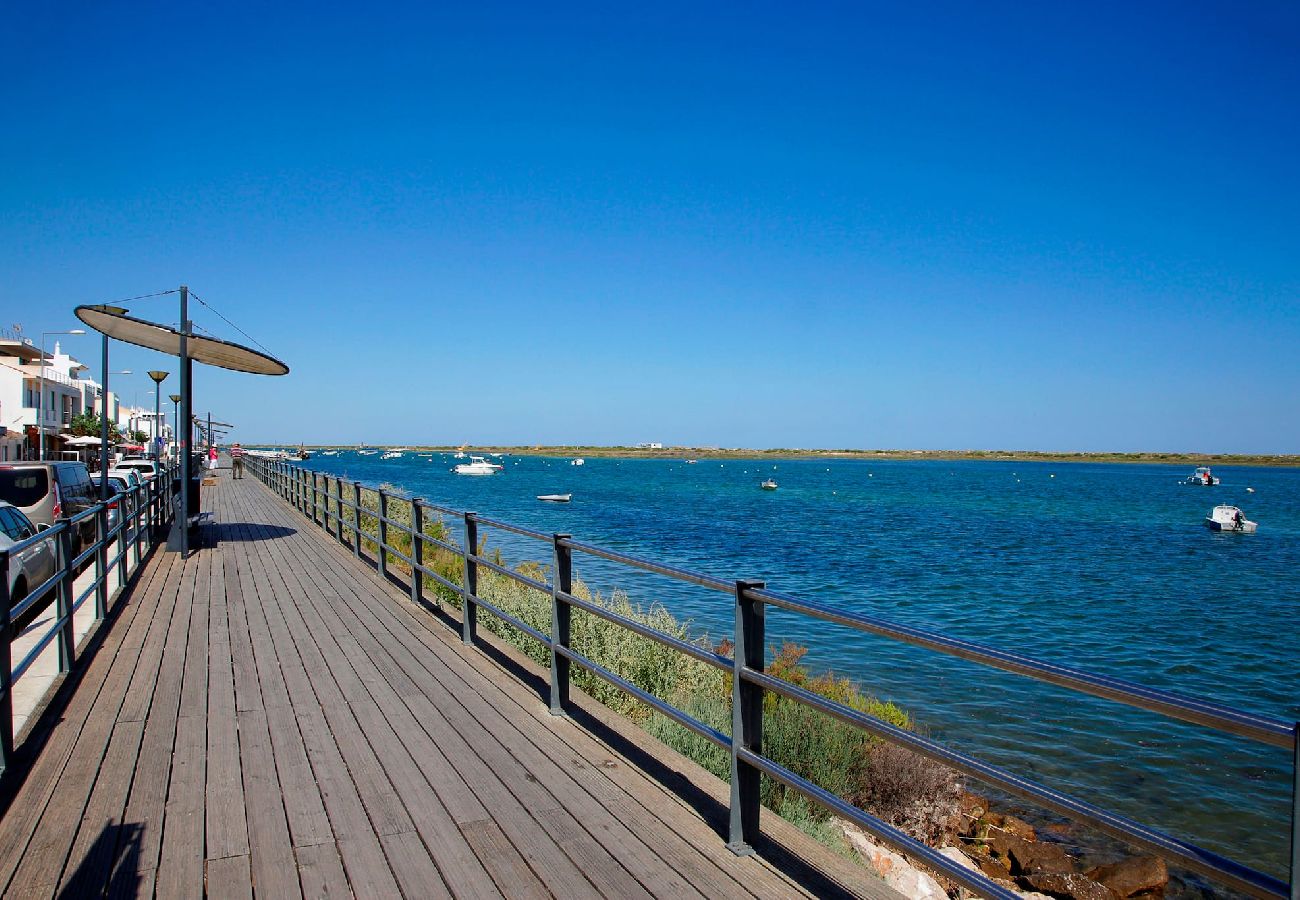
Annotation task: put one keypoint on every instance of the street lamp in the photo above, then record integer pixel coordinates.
(40, 413)
(176, 421)
(157, 375)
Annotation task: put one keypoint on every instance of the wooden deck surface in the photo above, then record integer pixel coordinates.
(270, 718)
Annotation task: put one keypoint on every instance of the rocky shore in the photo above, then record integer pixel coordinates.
(1014, 854)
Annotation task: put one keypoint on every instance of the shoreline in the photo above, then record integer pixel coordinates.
(1280, 460)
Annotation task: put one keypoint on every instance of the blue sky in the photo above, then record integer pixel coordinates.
(908, 225)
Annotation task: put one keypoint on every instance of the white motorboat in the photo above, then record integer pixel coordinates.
(392, 454)
(1202, 476)
(769, 484)
(555, 498)
(477, 465)
(578, 462)
(1229, 518)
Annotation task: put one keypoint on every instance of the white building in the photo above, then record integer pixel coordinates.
(21, 394)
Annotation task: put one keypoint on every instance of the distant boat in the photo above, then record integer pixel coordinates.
(1202, 476)
(555, 498)
(1229, 518)
(367, 452)
(459, 454)
(691, 462)
(392, 454)
(578, 462)
(477, 465)
(769, 484)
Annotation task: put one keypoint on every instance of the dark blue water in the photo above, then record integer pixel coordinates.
(1106, 567)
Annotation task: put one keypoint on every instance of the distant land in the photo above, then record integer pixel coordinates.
(1194, 459)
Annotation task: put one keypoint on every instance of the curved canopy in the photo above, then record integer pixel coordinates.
(209, 350)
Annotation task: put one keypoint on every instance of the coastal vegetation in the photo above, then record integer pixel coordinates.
(1157, 457)
(916, 795)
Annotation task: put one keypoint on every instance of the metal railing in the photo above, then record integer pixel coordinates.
(310, 493)
(141, 514)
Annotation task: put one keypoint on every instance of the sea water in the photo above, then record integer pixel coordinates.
(1106, 567)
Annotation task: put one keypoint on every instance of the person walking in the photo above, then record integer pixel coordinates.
(237, 460)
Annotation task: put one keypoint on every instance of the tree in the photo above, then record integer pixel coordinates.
(88, 424)
(139, 437)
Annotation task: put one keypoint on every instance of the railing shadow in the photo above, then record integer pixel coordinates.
(111, 864)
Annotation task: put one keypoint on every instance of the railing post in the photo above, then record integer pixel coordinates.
(135, 527)
(101, 560)
(746, 719)
(356, 518)
(318, 515)
(417, 551)
(469, 587)
(63, 600)
(383, 534)
(1295, 814)
(6, 669)
(561, 616)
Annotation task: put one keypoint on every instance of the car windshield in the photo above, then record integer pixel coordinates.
(23, 487)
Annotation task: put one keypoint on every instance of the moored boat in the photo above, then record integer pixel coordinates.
(555, 498)
(1202, 476)
(477, 465)
(1229, 518)
(769, 484)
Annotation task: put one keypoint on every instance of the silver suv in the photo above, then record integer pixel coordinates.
(47, 492)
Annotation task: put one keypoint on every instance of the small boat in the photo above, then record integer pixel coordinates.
(555, 498)
(1229, 518)
(392, 454)
(691, 462)
(477, 465)
(367, 452)
(1202, 476)
(578, 462)
(769, 484)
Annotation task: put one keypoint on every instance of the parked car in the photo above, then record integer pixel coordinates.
(47, 492)
(119, 482)
(147, 468)
(29, 568)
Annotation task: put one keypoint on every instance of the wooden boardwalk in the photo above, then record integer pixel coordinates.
(270, 718)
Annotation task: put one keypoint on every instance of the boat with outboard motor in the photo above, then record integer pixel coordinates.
(1229, 518)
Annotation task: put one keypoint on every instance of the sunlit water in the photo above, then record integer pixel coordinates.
(1105, 567)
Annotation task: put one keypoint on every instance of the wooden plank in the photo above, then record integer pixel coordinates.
(508, 868)
(180, 868)
(229, 879)
(303, 807)
(358, 845)
(321, 872)
(226, 830)
(271, 856)
(91, 855)
(153, 767)
(416, 874)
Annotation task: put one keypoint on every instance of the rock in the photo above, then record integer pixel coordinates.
(959, 858)
(1019, 827)
(992, 866)
(892, 868)
(1065, 886)
(1028, 858)
(1135, 875)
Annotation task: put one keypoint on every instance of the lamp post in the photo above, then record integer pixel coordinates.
(157, 375)
(103, 411)
(176, 420)
(40, 413)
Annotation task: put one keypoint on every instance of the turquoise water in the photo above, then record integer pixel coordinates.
(1106, 567)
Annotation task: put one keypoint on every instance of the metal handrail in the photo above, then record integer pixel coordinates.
(142, 514)
(750, 682)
